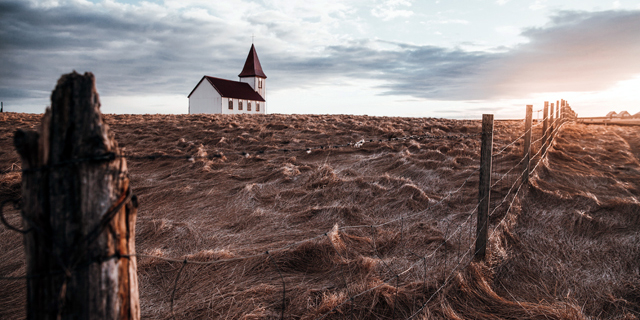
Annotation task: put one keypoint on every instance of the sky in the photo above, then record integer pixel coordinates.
(432, 58)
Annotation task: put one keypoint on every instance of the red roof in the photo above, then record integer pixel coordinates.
(252, 67)
(231, 89)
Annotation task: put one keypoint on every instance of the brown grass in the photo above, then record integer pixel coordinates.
(568, 249)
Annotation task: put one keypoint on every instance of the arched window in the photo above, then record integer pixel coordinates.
(230, 104)
(248, 105)
(239, 104)
(257, 106)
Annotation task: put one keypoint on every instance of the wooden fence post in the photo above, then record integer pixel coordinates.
(545, 125)
(485, 186)
(527, 143)
(79, 208)
(552, 124)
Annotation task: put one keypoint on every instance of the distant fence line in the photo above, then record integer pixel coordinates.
(70, 258)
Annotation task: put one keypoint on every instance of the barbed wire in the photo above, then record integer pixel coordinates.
(545, 151)
(496, 228)
(445, 283)
(473, 242)
(508, 209)
(509, 171)
(518, 138)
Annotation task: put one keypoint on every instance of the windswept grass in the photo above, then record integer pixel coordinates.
(567, 249)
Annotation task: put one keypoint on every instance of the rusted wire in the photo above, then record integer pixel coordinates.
(16, 205)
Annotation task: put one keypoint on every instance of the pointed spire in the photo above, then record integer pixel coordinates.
(252, 67)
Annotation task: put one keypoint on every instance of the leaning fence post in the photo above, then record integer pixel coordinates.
(80, 210)
(527, 143)
(485, 186)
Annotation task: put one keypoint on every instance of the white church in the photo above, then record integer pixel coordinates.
(215, 95)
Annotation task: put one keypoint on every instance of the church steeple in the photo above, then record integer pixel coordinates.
(252, 67)
(253, 75)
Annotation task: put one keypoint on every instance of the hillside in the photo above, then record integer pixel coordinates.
(298, 202)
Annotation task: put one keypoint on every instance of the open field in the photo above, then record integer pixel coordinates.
(569, 248)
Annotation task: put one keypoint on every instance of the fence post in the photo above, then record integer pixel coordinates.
(79, 208)
(545, 125)
(527, 143)
(485, 186)
(552, 124)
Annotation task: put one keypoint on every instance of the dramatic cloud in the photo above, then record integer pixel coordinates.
(149, 49)
(146, 49)
(578, 51)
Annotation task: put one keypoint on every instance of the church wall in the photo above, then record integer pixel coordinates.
(205, 99)
(226, 110)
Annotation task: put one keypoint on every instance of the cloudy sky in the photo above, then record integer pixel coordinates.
(436, 58)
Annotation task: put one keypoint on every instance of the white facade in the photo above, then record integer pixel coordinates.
(205, 99)
(245, 103)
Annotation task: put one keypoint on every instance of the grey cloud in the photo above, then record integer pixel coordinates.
(129, 54)
(426, 72)
(577, 51)
(136, 54)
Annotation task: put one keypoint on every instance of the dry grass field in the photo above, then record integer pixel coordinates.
(336, 225)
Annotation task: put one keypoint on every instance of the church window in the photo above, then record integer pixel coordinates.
(240, 105)
(260, 83)
(257, 106)
(248, 105)
(230, 104)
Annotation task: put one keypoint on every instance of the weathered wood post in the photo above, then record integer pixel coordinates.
(527, 143)
(485, 186)
(552, 124)
(545, 125)
(79, 208)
